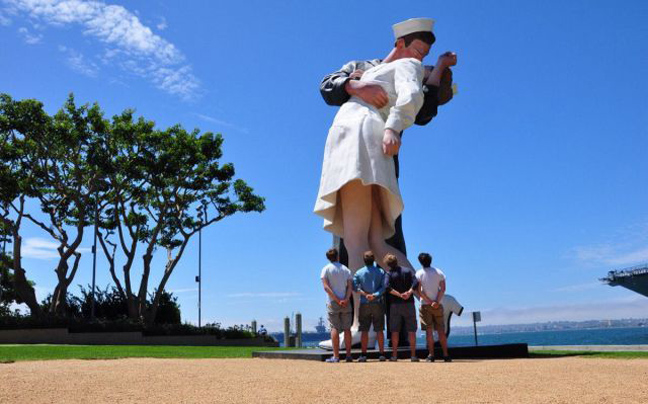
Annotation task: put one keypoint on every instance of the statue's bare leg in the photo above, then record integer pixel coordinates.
(376, 237)
(356, 216)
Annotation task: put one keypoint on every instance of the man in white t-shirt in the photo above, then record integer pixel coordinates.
(432, 286)
(337, 282)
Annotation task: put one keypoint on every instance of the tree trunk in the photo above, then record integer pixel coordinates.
(171, 264)
(24, 290)
(141, 296)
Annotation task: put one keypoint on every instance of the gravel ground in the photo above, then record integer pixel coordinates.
(554, 380)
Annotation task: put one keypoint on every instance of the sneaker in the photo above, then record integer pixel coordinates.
(393, 359)
(349, 359)
(447, 359)
(382, 358)
(429, 358)
(414, 359)
(362, 358)
(332, 359)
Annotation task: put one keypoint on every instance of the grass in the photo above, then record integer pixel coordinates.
(590, 354)
(12, 353)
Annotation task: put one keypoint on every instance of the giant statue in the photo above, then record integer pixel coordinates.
(359, 196)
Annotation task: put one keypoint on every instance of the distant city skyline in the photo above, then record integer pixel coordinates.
(527, 188)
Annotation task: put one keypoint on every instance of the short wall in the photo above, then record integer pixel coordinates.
(63, 336)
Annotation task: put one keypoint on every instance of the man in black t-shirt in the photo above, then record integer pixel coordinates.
(400, 285)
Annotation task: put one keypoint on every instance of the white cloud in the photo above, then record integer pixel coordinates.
(43, 249)
(162, 24)
(22, 308)
(632, 257)
(187, 290)
(39, 249)
(626, 247)
(612, 255)
(272, 295)
(4, 20)
(578, 288)
(632, 306)
(222, 123)
(29, 37)
(138, 49)
(77, 62)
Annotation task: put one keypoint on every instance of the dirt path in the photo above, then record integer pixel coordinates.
(559, 380)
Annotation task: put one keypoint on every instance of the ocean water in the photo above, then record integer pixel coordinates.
(605, 336)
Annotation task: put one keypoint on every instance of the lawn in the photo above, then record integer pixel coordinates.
(591, 354)
(10, 353)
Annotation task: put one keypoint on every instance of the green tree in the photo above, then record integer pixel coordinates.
(154, 188)
(65, 181)
(50, 160)
(19, 120)
(158, 183)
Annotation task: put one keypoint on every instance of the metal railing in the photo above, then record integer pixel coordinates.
(626, 272)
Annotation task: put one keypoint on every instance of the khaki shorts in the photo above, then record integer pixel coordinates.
(432, 318)
(402, 313)
(371, 313)
(340, 318)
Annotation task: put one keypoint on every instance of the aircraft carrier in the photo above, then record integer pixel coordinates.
(633, 278)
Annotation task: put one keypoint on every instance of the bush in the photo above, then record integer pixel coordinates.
(168, 311)
(234, 332)
(111, 315)
(110, 305)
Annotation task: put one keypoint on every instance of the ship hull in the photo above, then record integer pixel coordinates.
(635, 279)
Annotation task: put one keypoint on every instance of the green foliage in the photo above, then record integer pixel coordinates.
(168, 311)
(111, 310)
(153, 188)
(49, 159)
(8, 293)
(590, 354)
(162, 187)
(109, 304)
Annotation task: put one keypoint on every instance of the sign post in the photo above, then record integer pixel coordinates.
(476, 315)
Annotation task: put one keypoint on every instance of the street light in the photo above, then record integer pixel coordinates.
(94, 257)
(203, 218)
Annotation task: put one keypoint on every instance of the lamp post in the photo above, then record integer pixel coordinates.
(94, 257)
(203, 219)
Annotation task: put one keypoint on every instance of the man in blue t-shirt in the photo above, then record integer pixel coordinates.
(369, 282)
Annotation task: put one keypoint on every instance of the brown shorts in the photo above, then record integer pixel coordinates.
(340, 318)
(432, 318)
(371, 313)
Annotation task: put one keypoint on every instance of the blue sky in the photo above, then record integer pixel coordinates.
(526, 188)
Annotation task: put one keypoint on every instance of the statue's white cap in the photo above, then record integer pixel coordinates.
(412, 25)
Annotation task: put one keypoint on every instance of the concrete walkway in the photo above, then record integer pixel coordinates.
(598, 348)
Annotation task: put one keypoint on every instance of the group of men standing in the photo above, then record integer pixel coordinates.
(397, 286)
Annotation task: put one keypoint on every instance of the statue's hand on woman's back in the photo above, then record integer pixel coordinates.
(370, 93)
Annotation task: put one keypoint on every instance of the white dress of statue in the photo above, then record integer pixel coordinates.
(354, 146)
